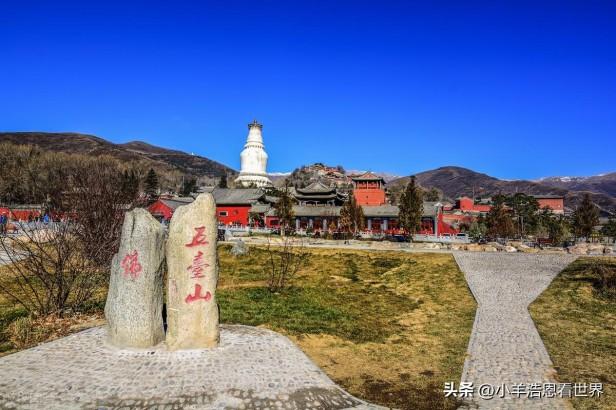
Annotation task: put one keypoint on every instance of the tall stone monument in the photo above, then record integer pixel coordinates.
(192, 262)
(135, 299)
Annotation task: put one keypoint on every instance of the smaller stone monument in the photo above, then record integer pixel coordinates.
(239, 248)
(135, 300)
(192, 262)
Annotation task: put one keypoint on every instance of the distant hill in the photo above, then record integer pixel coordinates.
(601, 184)
(157, 157)
(454, 182)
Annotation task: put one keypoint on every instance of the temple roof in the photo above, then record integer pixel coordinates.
(367, 176)
(174, 203)
(380, 211)
(316, 187)
(390, 211)
(229, 196)
(300, 210)
(260, 208)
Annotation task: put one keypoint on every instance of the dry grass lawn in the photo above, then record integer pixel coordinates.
(390, 327)
(578, 325)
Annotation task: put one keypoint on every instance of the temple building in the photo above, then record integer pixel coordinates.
(369, 189)
(556, 203)
(253, 159)
(318, 194)
(316, 207)
(233, 206)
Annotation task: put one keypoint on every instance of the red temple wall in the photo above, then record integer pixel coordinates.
(369, 197)
(235, 214)
(556, 204)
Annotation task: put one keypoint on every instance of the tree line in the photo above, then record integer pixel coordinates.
(520, 215)
(93, 192)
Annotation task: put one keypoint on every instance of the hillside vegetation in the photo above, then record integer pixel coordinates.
(165, 161)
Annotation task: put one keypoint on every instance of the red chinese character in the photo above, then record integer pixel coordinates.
(198, 266)
(131, 265)
(199, 238)
(197, 295)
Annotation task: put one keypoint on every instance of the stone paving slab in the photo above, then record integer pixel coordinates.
(505, 346)
(253, 368)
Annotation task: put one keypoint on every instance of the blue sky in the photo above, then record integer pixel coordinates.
(512, 89)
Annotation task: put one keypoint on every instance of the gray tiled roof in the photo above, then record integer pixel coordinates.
(381, 211)
(390, 211)
(367, 176)
(429, 209)
(174, 203)
(228, 196)
(260, 208)
(316, 187)
(300, 210)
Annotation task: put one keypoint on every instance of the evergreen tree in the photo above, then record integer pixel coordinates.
(555, 227)
(284, 209)
(609, 229)
(585, 218)
(411, 207)
(558, 229)
(498, 220)
(432, 195)
(151, 184)
(524, 210)
(359, 219)
(190, 186)
(346, 216)
(223, 183)
(478, 228)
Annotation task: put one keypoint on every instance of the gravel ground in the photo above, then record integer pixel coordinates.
(252, 368)
(505, 347)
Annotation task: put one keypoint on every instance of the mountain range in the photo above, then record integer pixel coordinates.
(156, 157)
(604, 183)
(452, 181)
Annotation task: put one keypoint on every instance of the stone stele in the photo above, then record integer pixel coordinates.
(192, 263)
(135, 299)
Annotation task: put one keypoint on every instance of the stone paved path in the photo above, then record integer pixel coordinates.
(505, 346)
(252, 368)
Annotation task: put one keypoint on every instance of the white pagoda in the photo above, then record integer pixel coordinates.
(253, 159)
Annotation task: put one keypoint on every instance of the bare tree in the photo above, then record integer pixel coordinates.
(97, 196)
(351, 215)
(47, 272)
(284, 263)
(284, 209)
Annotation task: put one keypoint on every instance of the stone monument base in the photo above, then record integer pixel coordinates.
(252, 368)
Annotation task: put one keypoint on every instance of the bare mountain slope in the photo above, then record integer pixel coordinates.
(170, 160)
(602, 184)
(457, 181)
